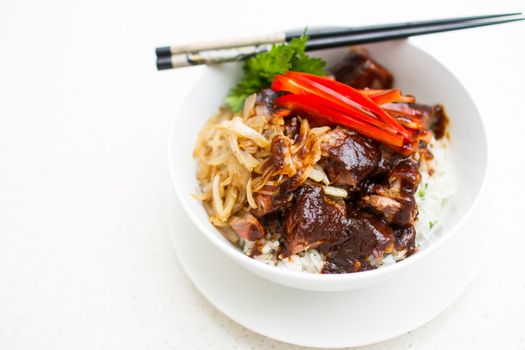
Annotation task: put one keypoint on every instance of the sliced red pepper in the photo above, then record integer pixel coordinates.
(340, 89)
(368, 92)
(299, 86)
(313, 106)
(303, 84)
(387, 96)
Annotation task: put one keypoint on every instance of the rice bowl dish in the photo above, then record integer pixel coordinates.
(362, 204)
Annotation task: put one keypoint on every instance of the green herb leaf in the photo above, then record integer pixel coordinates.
(260, 69)
(431, 224)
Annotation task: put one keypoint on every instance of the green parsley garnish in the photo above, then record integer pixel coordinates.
(260, 69)
(431, 224)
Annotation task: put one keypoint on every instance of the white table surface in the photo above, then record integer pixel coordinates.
(85, 256)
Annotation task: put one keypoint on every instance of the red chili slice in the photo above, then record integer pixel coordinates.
(338, 89)
(300, 87)
(314, 106)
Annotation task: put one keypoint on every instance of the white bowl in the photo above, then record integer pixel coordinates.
(416, 73)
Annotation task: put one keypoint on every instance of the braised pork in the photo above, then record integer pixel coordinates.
(247, 226)
(394, 199)
(364, 236)
(313, 219)
(349, 157)
(360, 71)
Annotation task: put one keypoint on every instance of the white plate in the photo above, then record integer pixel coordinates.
(331, 319)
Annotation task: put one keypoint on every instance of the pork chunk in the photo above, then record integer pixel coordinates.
(349, 157)
(313, 219)
(360, 71)
(247, 226)
(364, 236)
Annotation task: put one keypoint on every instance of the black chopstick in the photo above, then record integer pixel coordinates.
(322, 39)
(337, 41)
(315, 33)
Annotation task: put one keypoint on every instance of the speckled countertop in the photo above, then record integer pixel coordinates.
(85, 256)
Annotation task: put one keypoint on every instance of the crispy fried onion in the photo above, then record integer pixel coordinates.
(239, 156)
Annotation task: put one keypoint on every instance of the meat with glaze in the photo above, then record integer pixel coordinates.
(247, 226)
(405, 240)
(360, 71)
(394, 199)
(365, 235)
(434, 118)
(349, 157)
(267, 203)
(313, 219)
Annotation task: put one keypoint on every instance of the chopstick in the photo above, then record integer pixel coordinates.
(328, 32)
(320, 38)
(330, 42)
(313, 34)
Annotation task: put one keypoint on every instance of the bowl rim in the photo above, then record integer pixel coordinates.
(234, 252)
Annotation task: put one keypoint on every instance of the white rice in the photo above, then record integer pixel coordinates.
(433, 192)
(431, 198)
(308, 261)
